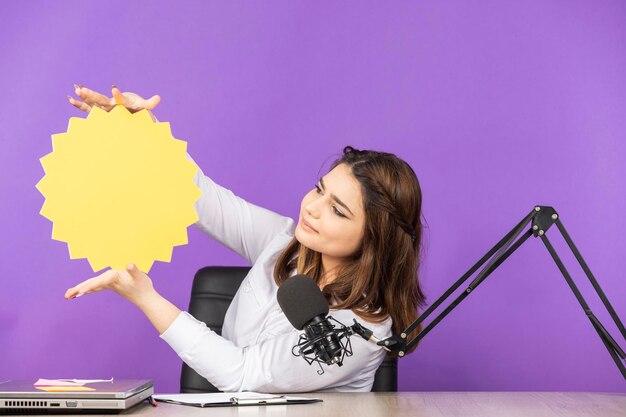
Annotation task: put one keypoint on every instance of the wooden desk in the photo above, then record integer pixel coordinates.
(421, 404)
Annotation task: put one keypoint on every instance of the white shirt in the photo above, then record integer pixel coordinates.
(254, 351)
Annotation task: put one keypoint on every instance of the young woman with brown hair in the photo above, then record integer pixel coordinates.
(358, 237)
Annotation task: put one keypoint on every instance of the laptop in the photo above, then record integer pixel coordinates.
(22, 397)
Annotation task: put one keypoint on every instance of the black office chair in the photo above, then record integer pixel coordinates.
(212, 292)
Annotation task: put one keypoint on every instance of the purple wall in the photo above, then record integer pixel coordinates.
(498, 105)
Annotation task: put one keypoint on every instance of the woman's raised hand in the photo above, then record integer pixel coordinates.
(89, 98)
(132, 284)
(136, 287)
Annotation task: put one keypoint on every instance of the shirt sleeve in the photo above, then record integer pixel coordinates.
(268, 366)
(241, 226)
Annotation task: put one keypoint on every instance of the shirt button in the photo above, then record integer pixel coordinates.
(246, 287)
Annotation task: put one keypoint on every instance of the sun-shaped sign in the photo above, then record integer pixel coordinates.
(119, 189)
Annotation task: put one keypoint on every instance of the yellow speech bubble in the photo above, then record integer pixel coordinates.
(119, 189)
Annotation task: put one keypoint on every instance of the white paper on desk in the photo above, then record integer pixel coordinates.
(68, 382)
(57, 383)
(87, 381)
(211, 398)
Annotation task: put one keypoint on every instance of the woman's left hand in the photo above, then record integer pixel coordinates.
(132, 284)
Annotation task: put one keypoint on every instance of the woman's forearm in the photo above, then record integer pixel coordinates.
(158, 310)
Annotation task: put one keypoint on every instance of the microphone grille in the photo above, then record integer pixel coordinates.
(301, 300)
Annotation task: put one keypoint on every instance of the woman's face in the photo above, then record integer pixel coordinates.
(332, 217)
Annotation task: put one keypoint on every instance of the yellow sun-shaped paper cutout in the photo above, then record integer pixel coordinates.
(119, 189)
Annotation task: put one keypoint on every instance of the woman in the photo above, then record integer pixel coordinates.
(358, 236)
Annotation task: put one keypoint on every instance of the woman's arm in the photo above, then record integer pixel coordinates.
(266, 366)
(269, 366)
(241, 226)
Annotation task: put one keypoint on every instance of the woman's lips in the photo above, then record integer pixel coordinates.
(306, 226)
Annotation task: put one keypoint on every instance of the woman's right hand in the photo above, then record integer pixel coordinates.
(89, 98)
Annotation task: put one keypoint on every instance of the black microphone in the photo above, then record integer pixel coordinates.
(306, 309)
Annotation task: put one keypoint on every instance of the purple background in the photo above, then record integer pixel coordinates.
(498, 106)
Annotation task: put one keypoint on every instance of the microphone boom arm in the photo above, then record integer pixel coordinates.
(542, 217)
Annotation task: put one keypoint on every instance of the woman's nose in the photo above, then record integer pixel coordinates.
(313, 208)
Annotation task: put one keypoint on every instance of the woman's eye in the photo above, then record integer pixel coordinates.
(318, 189)
(337, 212)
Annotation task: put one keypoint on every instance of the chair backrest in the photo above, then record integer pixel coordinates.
(212, 292)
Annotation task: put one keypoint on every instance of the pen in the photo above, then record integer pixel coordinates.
(259, 401)
(152, 401)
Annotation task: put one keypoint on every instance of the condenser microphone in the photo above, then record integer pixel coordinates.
(306, 309)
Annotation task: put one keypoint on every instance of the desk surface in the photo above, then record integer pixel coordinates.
(421, 404)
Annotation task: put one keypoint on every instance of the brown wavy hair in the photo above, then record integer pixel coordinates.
(381, 279)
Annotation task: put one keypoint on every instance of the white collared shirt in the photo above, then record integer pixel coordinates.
(254, 352)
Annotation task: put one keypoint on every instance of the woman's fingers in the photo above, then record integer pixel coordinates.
(79, 290)
(93, 98)
(152, 102)
(102, 282)
(118, 97)
(79, 104)
(133, 102)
